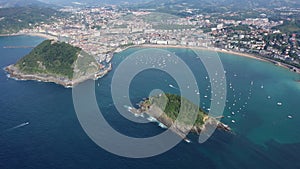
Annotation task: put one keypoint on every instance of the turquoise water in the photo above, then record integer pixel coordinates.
(265, 137)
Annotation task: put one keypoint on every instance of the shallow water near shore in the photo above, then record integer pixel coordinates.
(265, 136)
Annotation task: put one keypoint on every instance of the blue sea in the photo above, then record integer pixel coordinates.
(39, 127)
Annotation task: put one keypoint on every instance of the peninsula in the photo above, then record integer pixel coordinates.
(58, 62)
(166, 109)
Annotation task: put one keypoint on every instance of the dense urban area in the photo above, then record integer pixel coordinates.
(273, 34)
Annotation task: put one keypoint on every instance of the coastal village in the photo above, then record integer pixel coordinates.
(102, 31)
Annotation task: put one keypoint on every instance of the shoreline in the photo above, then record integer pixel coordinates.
(219, 50)
(14, 73)
(36, 34)
(213, 49)
(180, 129)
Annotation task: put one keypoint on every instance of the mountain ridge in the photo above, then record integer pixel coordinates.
(211, 6)
(23, 3)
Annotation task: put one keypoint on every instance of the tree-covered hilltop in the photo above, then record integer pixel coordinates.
(178, 7)
(292, 26)
(51, 58)
(15, 19)
(58, 62)
(171, 105)
(23, 3)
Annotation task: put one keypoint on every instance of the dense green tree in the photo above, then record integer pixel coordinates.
(50, 57)
(177, 104)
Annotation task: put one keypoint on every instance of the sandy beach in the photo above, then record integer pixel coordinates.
(207, 49)
(218, 50)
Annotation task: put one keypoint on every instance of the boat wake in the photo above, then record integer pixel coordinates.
(172, 86)
(18, 126)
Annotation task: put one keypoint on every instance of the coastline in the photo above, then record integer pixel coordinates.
(42, 35)
(67, 83)
(14, 73)
(214, 49)
(219, 50)
(181, 129)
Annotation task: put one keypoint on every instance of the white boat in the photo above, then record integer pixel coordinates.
(152, 119)
(279, 104)
(162, 125)
(187, 140)
(290, 117)
(233, 121)
(171, 86)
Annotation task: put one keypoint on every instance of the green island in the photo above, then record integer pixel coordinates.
(58, 62)
(173, 106)
(166, 109)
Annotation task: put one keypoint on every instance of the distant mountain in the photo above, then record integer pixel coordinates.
(21, 3)
(216, 5)
(159, 4)
(18, 18)
(230, 3)
(92, 2)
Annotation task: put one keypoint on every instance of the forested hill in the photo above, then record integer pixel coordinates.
(50, 57)
(14, 19)
(175, 104)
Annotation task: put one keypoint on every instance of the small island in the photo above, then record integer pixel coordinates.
(57, 62)
(166, 108)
